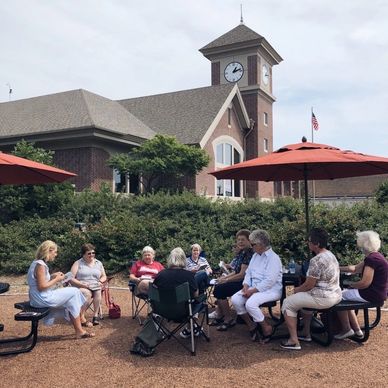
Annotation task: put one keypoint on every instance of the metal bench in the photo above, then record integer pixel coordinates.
(33, 315)
(327, 336)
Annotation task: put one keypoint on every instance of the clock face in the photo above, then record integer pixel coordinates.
(265, 74)
(233, 71)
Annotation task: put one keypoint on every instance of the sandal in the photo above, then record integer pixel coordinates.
(266, 338)
(87, 324)
(95, 321)
(288, 346)
(226, 325)
(87, 335)
(254, 333)
(217, 322)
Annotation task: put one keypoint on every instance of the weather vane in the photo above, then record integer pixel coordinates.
(241, 17)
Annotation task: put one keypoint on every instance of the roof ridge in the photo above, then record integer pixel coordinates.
(226, 86)
(87, 106)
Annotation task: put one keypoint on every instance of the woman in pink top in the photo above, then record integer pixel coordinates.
(144, 271)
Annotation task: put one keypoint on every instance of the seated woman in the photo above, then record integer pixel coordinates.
(200, 267)
(176, 274)
(228, 285)
(65, 302)
(144, 271)
(89, 276)
(321, 289)
(262, 283)
(373, 284)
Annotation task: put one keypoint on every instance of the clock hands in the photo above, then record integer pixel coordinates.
(235, 70)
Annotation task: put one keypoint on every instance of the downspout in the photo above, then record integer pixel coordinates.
(251, 126)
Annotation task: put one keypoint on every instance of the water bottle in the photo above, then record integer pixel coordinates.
(291, 266)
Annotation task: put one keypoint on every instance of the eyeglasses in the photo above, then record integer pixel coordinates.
(91, 253)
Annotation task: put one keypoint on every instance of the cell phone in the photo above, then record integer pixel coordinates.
(203, 266)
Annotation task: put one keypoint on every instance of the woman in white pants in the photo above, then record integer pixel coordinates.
(262, 283)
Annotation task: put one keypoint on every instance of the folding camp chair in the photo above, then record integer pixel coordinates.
(139, 303)
(175, 307)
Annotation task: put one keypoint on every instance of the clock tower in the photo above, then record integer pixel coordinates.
(244, 57)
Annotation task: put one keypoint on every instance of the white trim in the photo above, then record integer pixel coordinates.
(234, 92)
(226, 139)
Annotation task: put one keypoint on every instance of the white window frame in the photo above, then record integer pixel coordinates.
(235, 146)
(266, 145)
(265, 119)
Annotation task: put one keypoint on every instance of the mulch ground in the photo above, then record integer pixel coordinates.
(229, 360)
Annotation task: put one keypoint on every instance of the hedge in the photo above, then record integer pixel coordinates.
(120, 226)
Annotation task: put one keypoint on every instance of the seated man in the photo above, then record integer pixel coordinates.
(200, 267)
(174, 275)
(144, 271)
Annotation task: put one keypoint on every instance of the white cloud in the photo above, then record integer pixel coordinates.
(335, 56)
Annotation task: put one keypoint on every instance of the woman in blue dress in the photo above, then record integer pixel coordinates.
(63, 302)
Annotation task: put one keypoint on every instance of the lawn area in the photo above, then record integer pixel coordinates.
(229, 360)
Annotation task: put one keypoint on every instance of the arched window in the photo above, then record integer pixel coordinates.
(227, 152)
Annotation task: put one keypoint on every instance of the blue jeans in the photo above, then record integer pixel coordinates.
(202, 279)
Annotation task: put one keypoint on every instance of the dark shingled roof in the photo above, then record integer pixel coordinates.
(239, 34)
(186, 114)
(68, 110)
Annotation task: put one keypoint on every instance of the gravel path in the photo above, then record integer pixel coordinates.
(229, 360)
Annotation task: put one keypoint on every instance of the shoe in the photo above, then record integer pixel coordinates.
(216, 322)
(226, 325)
(254, 333)
(266, 338)
(304, 338)
(186, 333)
(359, 334)
(342, 336)
(96, 321)
(286, 345)
(214, 315)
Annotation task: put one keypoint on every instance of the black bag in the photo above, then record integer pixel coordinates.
(148, 338)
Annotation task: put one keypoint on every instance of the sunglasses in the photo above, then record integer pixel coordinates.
(91, 253)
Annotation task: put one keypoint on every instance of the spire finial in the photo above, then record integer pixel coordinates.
(241, 17)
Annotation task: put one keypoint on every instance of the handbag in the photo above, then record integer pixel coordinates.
(114, 310)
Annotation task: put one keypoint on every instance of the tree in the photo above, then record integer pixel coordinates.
(19, 201)
(161, 157)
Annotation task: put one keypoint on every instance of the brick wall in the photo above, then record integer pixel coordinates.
(88, 163)
(252, 70)
(216, 73)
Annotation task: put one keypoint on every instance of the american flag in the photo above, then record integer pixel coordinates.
(314, 121)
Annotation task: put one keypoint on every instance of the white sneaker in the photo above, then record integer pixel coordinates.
(214, 315)
(348, 334)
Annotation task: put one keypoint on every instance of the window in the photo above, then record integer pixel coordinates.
(123, 183)
(229, 117)
(227, 155)
(265, 145)
(265, 119)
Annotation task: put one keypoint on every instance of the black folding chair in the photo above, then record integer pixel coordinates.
(139, 303)
(173, 309)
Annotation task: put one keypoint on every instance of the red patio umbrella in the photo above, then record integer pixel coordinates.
(304, 161)
(17, 171)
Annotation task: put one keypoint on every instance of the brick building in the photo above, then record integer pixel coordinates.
(231, 120)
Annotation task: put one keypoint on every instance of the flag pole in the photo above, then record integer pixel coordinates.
(312, 141)
(312, 127)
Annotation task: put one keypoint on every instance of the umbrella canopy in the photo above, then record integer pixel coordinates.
(304, 161)
(17, 171)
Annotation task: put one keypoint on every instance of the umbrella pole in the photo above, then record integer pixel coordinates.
(306, 201)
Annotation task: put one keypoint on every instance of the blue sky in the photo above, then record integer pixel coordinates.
(335, 56)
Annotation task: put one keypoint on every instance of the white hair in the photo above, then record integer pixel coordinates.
(260, 236)
(177, 258)
(196, 246)
(369, 241)
(148, 249)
